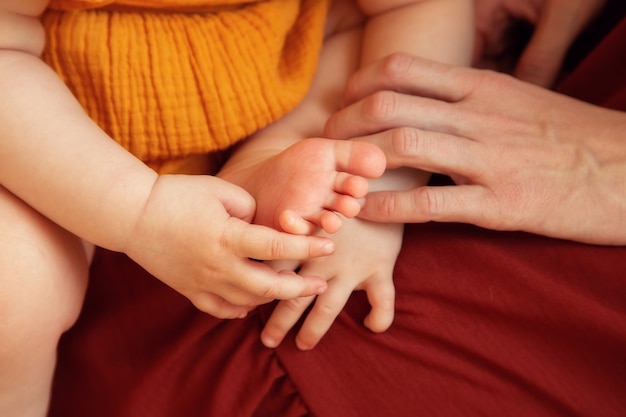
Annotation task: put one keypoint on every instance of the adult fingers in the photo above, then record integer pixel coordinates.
(472, 204)
(388, 109)
(406, 74)
(428, 150)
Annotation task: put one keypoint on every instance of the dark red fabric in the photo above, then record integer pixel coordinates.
(600, 78)
(488, 323)
(500, 324)
(141, 349)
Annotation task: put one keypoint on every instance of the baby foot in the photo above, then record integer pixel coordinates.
(311, 183)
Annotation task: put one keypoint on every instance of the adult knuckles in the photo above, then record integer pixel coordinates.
(474, 80)
(406, 143)
(418, 205)
(429, 202)
(389, 206)
(380, 107)
(384, 207)
(392, 71)
(396, 68)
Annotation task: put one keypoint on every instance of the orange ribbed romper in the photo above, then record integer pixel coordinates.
(175, 78)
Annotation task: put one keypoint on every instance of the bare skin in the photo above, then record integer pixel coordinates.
(307, 186)
(445, 33)
(524, 158)
(66, 186)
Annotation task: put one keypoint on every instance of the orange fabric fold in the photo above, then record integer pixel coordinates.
(179, 5)
(170, 85)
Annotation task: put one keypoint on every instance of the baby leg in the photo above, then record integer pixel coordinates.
(43, 276)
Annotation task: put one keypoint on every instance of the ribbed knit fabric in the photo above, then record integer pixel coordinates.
(167, 83)
(148, 4)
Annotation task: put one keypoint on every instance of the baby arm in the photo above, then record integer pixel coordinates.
(192, 232)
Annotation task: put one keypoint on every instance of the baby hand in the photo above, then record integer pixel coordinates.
(364, 260)
(194, 236)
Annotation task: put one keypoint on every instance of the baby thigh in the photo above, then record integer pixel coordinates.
(43, 276)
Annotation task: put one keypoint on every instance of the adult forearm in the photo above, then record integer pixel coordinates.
(57, 160)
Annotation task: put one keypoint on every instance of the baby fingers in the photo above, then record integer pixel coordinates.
(218, 307)
(381, 295)
(323, 314)
(283, 318)
(264, 243)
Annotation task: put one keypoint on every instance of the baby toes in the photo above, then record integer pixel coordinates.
(346, 205)
(350, 185)
(360, 158)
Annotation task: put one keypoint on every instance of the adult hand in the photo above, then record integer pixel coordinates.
(523, 157)
(557, 24)
(194, 236)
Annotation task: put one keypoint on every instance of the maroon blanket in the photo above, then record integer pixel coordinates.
(488, 323)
